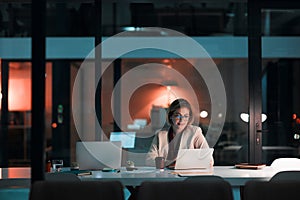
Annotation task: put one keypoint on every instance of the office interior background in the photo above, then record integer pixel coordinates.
(260, 80)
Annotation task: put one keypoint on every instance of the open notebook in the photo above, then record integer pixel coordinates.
(194, 158)
(98, 155)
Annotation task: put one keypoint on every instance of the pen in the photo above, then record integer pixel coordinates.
(84, 173)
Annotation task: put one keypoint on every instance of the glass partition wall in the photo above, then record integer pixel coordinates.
(156, 76)
(280, 70)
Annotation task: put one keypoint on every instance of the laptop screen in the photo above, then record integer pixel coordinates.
(93, 155)
(194, 158)
(127, 138)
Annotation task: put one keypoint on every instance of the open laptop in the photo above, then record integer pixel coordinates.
(194, 158)
(98, 155)
(126, 138)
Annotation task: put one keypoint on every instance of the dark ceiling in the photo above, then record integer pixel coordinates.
(195, 18)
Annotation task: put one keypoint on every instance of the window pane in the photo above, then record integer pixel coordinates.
(280, 84)
(159, 86)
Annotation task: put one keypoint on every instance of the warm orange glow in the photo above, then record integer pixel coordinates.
(54, 125)
(166, 60)
(19, 94)
(294, 116)
(298, 121)
(143, 99)
(21, 172)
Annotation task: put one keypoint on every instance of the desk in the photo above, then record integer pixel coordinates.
(236, 177)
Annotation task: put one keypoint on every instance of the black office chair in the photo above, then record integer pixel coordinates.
(286, 175)
(62, 190)
(191, 189)
(268, 190)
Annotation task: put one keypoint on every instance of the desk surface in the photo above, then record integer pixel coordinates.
(236, 177)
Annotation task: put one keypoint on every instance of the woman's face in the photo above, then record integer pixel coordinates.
(180, 119)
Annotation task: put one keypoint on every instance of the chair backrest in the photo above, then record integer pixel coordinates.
(268, 190)
(182, 190)
(62, 190)
(286, 175)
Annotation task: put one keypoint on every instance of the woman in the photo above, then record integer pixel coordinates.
(180, 135)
